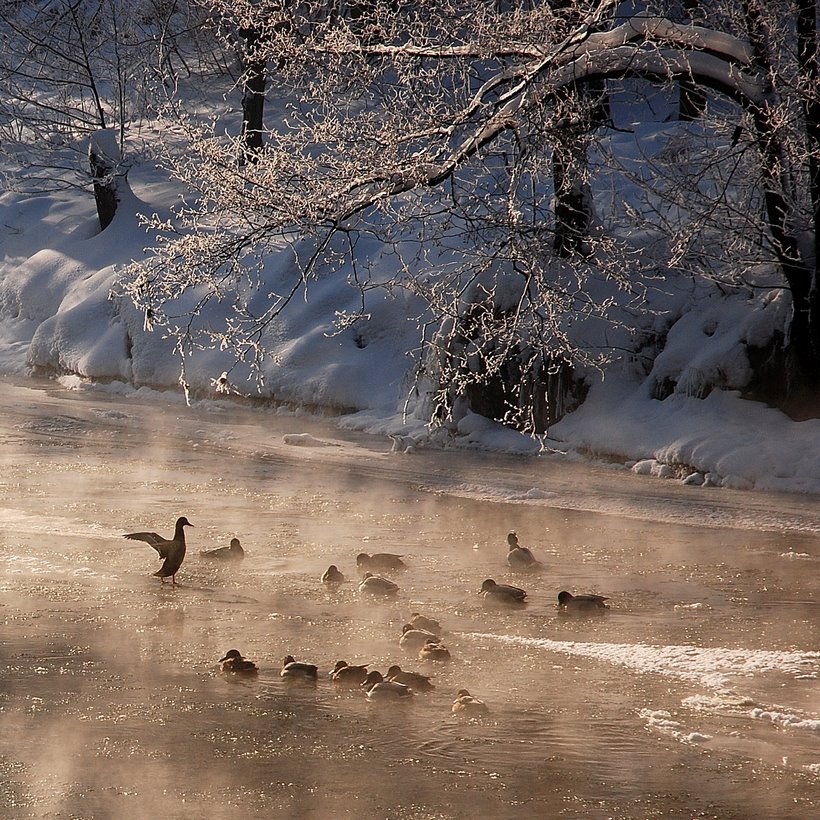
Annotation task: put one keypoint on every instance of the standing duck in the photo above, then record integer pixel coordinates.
(233, 665)
(298, 670)
(581, 603)
(468, 705)
(376, 585)
(232, 553)
(415, 680)
(380, 562)
(520, 558)
(377, 688)
(494, 593)
(171, 549)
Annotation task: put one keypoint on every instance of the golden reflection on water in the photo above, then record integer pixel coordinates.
(111, 705)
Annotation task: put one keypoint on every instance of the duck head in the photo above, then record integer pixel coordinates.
(372, 679)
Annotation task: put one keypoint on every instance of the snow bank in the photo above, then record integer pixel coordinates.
(57, 315)
(742, 444)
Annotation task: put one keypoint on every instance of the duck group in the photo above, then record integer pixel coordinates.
(395, 684)
(420, 634)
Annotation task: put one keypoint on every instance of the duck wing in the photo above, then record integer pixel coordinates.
(414, 680)
(160, 544)
(149, 537)
(220, 552)
(590, 599)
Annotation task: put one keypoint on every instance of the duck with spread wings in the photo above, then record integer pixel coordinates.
(172, 550)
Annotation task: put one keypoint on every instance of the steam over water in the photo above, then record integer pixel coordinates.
(697, 694)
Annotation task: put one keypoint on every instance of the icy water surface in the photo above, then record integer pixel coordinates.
(695, 695)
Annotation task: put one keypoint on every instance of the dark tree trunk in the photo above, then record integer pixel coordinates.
(799, 271)
(588, 105)
(253, 97)
(104, 159)
(807, 59)
(572, 206)
(692, 100)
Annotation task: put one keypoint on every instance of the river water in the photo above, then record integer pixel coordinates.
(696, 695)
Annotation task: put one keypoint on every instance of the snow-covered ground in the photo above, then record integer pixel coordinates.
(58, 316)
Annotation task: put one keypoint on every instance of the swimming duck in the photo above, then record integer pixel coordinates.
(581, 603)
(520, 558)
(233, 665)
(171, 549)
(346, 675)
(331, 577)
(377, 688)
(297, 670)
(467, 704)
(232, 553)
(434, 650)
(421, 622)
(415, 680)
(380, 562)
(502, 593)
(413, 639)
(376, 585)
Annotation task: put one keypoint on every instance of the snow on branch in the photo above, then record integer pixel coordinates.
(625, 61)
(647, 29)
(597, 57)
(662, 30)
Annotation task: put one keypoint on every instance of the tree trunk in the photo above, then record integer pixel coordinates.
(807, 59)
(104, 159)
(588, 105)
(691, 99)
(799, 271)
(572, 206)
(253, 97)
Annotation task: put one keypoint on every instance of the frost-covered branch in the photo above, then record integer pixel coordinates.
(437, 134)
